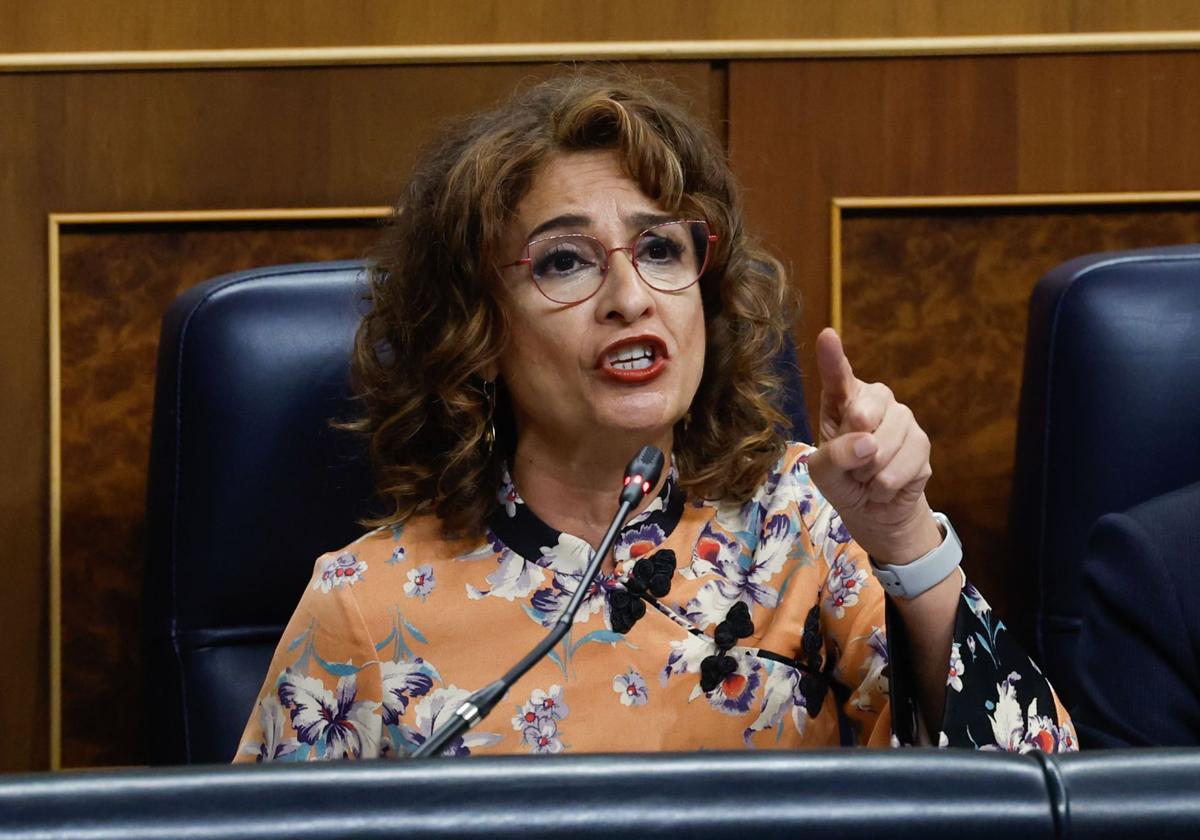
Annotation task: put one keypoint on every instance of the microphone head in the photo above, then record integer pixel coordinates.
(642, 474)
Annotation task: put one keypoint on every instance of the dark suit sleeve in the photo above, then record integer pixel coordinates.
(1137, 655)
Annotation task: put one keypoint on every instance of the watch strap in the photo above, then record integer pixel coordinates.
(927, 571)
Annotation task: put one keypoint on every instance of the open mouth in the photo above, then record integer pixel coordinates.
(634, 360)
(633, 357)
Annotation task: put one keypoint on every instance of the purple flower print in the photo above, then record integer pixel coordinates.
(781, 696)
(420, 582)
(777, 536)
(716, 552)
(637, 541)
(515, 578)
(749, 515)
(552, 600)
(542, 704)
(402, 681)
(843, 584)
(838, 532)
(542, 737)
(877, 642)
(738, 576)
(978, 604)
(432, 711)
(954, 677)
(397, 556)
(567, 560)
(873, 686)
(344, 568)
(272, 719)
(1015, 731)
(735, 694)
(631, 687)
(508, 496)
(569, 556)
(538, 720)
(336, 724)
(685, 656)
(525, 717)
(549, 703)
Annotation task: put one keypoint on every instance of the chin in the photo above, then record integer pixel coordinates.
(646, 423)
(647, 412)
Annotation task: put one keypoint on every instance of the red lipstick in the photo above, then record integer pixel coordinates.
(633, 360)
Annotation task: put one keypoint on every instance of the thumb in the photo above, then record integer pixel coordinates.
(838, 382)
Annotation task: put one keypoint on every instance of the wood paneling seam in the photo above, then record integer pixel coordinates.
(55, 488)
(602, 51)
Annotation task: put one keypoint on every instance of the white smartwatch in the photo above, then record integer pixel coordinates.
(927, 571)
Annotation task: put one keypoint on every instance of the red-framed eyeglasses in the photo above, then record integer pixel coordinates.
(571, 267)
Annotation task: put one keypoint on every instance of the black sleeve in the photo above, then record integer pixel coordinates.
(1138, 666)
(996, 697)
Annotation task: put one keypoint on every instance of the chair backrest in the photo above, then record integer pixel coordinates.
(249, 483)
(1109, 417)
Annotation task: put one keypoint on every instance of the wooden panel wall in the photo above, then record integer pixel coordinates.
(69, 25)
(947, 126)
(951, 126)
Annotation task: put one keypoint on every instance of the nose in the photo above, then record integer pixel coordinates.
(624, 296)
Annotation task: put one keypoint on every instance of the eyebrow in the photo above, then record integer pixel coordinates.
(567, 220)
(645, 220)
(574, 220)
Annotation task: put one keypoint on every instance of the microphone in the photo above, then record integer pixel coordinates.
(641, 475)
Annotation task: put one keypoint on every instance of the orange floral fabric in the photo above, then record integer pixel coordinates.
(771, 633)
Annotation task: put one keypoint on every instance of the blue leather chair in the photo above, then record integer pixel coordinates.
(1109, 417)
(249, 483)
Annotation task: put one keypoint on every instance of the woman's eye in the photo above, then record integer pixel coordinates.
(561, 262)
(659, 249)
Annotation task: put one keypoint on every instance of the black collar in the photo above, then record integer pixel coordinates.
(524, 532)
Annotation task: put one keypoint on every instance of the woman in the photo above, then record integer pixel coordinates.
(568, 281)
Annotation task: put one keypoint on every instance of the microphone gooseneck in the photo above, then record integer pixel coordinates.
(641, 476)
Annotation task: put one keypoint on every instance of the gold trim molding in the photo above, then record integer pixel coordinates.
(778, 48)
(55, 224)
(941, 202)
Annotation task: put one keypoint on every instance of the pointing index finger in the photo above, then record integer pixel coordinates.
(838, 382)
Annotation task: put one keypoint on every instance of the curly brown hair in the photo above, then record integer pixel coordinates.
(435, 320)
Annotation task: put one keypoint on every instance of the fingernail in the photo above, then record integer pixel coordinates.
(863, 447)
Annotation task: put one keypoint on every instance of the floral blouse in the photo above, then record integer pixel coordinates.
(724, 626)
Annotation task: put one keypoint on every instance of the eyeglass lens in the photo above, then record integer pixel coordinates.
(571, 268)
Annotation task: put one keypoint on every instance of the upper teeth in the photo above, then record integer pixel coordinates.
(631, 352)
(632, 356)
